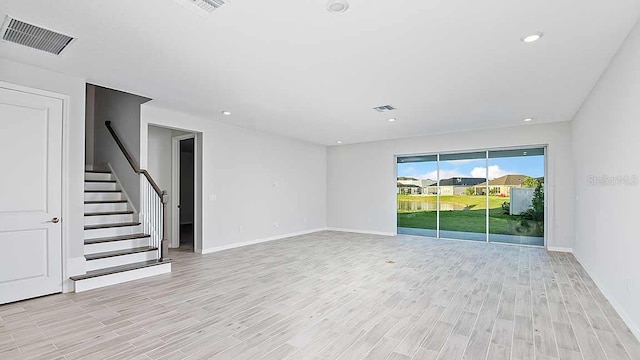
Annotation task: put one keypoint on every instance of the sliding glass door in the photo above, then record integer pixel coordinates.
(463, 209)
(418, 195)
(489, 196)
(516, 214)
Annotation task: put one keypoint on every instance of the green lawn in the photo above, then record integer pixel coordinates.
(471, 220)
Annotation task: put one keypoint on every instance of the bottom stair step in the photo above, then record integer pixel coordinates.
(108, 254)
(119, 274)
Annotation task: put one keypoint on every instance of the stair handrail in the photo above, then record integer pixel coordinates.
(164, 245)
(132, 161)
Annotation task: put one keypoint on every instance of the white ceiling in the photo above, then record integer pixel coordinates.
(292, 68)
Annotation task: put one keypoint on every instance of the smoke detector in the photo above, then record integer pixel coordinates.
(337, 6)
(35, 37)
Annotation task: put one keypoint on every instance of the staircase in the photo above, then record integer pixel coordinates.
(115, 246)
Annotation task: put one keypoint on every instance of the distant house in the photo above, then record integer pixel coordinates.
(413, 186)
(409, 189)
(501, 186)
(457, 185)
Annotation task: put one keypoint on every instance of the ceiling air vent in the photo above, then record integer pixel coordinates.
(206, 5)
(384, 108)
(35, 37)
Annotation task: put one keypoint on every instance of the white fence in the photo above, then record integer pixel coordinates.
(521, 199)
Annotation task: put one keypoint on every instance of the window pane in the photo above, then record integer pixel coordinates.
(417, 195)
(516, 196)
(462, 203)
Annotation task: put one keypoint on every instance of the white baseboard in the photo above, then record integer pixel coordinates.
(368, 232)
(257, 241)
(635, 329)
(559, 249)
(75, 266)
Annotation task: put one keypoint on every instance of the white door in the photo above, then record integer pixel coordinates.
(30, 195)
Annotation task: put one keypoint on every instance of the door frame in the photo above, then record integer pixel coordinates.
(175, 188)
(65, 284)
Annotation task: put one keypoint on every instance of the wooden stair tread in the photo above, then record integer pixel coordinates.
(116, 238)
(99, 181)
(122, 212)
(108, 254)
(98, 171)
(106, 226)
(104, 201)
(102, 191)
(119, 269)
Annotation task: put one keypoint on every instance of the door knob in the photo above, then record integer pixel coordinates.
(55, 220)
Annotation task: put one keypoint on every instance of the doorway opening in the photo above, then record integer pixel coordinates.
(185, 206)
(174, 159)
(489, 196)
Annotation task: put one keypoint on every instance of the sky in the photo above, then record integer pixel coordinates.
(524, 165)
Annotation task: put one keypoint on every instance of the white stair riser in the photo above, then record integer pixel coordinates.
(107, 219)
(124, 230)
(118, 278)
(97, 176)
(115, 245)
(99, 186)
(93, 208)
(102, 196)
(121, 260)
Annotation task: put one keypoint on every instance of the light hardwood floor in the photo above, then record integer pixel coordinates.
(334, 295)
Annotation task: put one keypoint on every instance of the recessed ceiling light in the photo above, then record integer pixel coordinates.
(528, 119)
(337, 6)
(392, 120)
(226, 113)
(339, 142)
(532, 38)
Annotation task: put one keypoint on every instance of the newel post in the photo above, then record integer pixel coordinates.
(164, 245)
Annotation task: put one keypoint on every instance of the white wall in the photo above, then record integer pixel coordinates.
(605, 133)
(239, 201)
(73, 153)
(89, 125)
(123, 110)
(361, 178)
(159, 158)
(159, 165)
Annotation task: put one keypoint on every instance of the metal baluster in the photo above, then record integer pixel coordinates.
(153, 209)
(145, 207)
(146, 210)
(143, 210)
(156, 222)
(159, 222)
(149, 213)
(153, 222)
